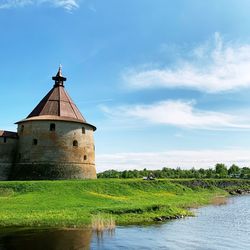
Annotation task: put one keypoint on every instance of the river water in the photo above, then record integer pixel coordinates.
(214, 227)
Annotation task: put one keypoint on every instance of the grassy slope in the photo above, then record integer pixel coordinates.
(72, 203)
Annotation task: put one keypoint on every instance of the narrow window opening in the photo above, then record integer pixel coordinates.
(85, 157)
(52, 127)
(75, 143)
(83, 130)
(5, 139)
(22, 129)
(35, 141)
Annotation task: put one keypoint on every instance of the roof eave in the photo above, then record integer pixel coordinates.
(40, 118)
(8, 134)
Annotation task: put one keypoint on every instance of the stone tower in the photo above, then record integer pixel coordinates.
(55, 141)
(8, 146)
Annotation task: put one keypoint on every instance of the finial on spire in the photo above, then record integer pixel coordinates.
(59, 79)
(59, 73)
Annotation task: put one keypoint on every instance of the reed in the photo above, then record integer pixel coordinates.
(100, 224)
(219, 200)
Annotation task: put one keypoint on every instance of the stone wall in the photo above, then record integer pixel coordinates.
(7, 156)
(66, 152)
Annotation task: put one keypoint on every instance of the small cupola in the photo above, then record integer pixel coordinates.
(59, 79)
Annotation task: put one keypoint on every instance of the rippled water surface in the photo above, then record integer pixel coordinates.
(214, 227)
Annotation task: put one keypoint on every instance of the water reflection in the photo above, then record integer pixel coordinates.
(100, 237)
(46, 240)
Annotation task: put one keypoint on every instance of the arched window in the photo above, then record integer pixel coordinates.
(83, 130)
(35, 141)
(75, 143)
(52, 127)
(85, 157)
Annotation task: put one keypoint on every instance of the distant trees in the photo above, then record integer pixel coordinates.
(220, 171)
(245, 173)
(234, 171)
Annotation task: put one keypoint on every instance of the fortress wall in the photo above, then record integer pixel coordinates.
(54, 156)
(7, 156)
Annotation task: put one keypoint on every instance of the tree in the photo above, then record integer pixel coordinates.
(245, 173)
(209, 173)
(221, 170)
(234, 171)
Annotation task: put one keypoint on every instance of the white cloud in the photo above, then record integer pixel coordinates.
(178, 113)
(68, 5)
(174, 158)
(213, 67)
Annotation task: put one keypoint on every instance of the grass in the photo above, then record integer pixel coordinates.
(75, 203)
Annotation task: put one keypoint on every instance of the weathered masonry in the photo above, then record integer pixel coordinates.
(53, 142)
(8, 147)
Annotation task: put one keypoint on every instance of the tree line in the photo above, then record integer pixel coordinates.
(219, 171)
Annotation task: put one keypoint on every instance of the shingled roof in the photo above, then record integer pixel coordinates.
(57, 104)
(8, 134)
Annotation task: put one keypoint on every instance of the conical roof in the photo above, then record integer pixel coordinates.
(57, 104)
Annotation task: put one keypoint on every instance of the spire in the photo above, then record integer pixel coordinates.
(59, 79)
(59, 73)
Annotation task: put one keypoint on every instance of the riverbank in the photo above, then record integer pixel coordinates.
(130, 201)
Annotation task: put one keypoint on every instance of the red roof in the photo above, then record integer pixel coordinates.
(8, 134)
(57, 105)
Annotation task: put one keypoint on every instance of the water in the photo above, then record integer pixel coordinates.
(214, 227)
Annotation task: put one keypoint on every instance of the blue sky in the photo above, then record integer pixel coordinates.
(167, 83)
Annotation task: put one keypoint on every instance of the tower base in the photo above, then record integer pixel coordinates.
(52, 171)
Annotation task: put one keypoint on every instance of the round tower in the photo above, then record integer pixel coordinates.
(55, 141)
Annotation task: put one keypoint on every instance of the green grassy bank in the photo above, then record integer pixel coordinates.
(73, 203)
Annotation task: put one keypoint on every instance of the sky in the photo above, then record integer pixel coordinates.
(166, 83)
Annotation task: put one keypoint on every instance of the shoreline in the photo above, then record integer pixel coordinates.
(72, 204)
